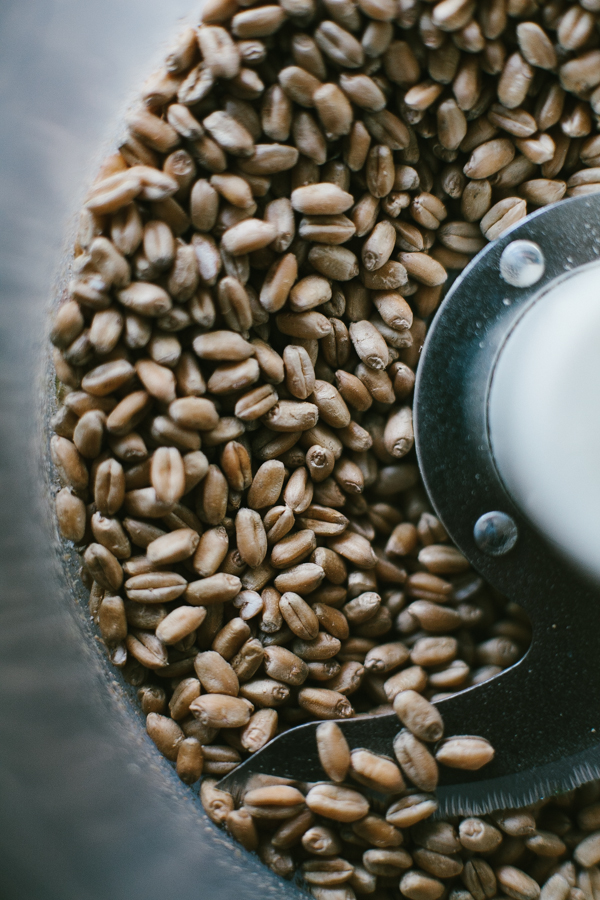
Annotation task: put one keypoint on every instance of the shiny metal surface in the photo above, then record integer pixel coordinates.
(88, 810)
(522, 263)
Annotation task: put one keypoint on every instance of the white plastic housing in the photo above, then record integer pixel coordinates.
(544, 415)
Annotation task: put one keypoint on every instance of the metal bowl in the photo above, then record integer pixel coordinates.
(89, 809)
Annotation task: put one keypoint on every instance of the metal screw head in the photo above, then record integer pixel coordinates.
(522, 263)
(495, 533)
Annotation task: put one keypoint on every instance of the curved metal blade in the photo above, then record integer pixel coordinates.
(543, 714)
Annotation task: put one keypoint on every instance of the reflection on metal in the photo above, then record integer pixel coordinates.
(522, 263)
(495, 533)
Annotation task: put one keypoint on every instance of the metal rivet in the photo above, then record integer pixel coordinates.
(522, 263)
(495, 533)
